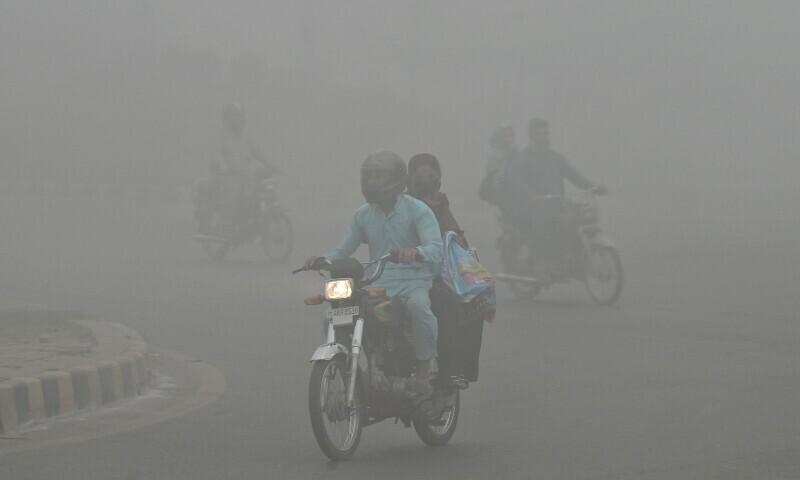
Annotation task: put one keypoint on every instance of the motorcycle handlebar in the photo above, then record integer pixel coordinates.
(392, 256)
(318, 264)
(590, 193)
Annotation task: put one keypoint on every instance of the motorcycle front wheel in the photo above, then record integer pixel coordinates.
(604, 275)
(277, 237)
(337, 428)
(439, 431)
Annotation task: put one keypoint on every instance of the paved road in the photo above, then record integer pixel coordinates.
(696, 374)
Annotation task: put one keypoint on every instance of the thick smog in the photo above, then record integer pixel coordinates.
(411, 239)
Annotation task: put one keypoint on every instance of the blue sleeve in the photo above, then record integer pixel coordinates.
(350, 242)
(431, 246)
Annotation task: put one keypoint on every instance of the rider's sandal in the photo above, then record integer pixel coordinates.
(459, 382)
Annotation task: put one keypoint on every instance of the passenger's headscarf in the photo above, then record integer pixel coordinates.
(426, 188)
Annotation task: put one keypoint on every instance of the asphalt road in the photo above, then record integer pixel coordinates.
(695, 374)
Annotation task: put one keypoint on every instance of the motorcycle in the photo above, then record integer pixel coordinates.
(265, 221)
(585, 253)
(360, 373)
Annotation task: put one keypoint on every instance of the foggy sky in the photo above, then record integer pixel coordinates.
(682, 99)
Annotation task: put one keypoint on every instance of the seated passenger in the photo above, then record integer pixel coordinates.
(459, 343)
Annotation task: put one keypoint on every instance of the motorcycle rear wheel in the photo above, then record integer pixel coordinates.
(277, 237)
(441, 430)
(337, 429)
(604, 275)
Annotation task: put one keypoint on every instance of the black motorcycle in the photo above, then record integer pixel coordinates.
(264, 220)
(585, 253)
(360, 373)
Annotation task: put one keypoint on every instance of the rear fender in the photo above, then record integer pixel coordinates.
(328, 351)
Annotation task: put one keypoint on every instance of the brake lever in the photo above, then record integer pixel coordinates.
(316, 267)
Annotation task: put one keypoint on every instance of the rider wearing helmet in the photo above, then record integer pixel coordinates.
(393, 220)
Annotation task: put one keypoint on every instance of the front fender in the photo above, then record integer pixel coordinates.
(328, 351)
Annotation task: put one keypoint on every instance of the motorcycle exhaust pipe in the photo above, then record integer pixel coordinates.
(506, 277)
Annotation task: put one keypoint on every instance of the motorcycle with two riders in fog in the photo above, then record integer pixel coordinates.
(360, 373)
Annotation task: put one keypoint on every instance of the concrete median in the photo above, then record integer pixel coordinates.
(79, 371)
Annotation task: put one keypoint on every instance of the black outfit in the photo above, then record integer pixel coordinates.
(460, 335)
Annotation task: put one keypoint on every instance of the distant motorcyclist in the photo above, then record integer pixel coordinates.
(495, 185)
(235, 169)
(539, 171)
(392, 220)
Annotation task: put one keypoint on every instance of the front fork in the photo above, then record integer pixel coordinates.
(355, 350)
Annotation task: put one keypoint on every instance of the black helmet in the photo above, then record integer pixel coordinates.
(383, 176)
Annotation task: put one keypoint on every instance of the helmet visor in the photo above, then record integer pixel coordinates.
(378, 184)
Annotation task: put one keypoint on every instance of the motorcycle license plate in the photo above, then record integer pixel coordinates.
(342, 316)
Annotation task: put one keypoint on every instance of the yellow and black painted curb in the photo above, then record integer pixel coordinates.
(27, 399)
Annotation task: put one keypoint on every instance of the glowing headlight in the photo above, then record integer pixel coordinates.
(339, 289)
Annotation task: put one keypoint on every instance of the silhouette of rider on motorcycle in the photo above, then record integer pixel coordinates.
(237, 167)
(538, 172)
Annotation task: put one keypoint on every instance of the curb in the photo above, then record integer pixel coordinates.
(27, 399)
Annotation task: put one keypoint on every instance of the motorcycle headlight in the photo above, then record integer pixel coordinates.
(339, 289)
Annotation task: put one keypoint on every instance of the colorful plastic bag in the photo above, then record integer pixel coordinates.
(463, 274)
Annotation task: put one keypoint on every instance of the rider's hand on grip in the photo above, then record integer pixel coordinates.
(405, 255)
(313, 263)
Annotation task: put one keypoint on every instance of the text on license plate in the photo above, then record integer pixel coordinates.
(342, 316)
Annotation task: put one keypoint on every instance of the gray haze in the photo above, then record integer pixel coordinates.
(688, 111)
(650, 97)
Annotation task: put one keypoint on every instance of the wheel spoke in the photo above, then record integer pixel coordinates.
(340, 424)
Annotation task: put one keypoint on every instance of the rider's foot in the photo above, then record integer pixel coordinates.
(458, 381)
(417, 390)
